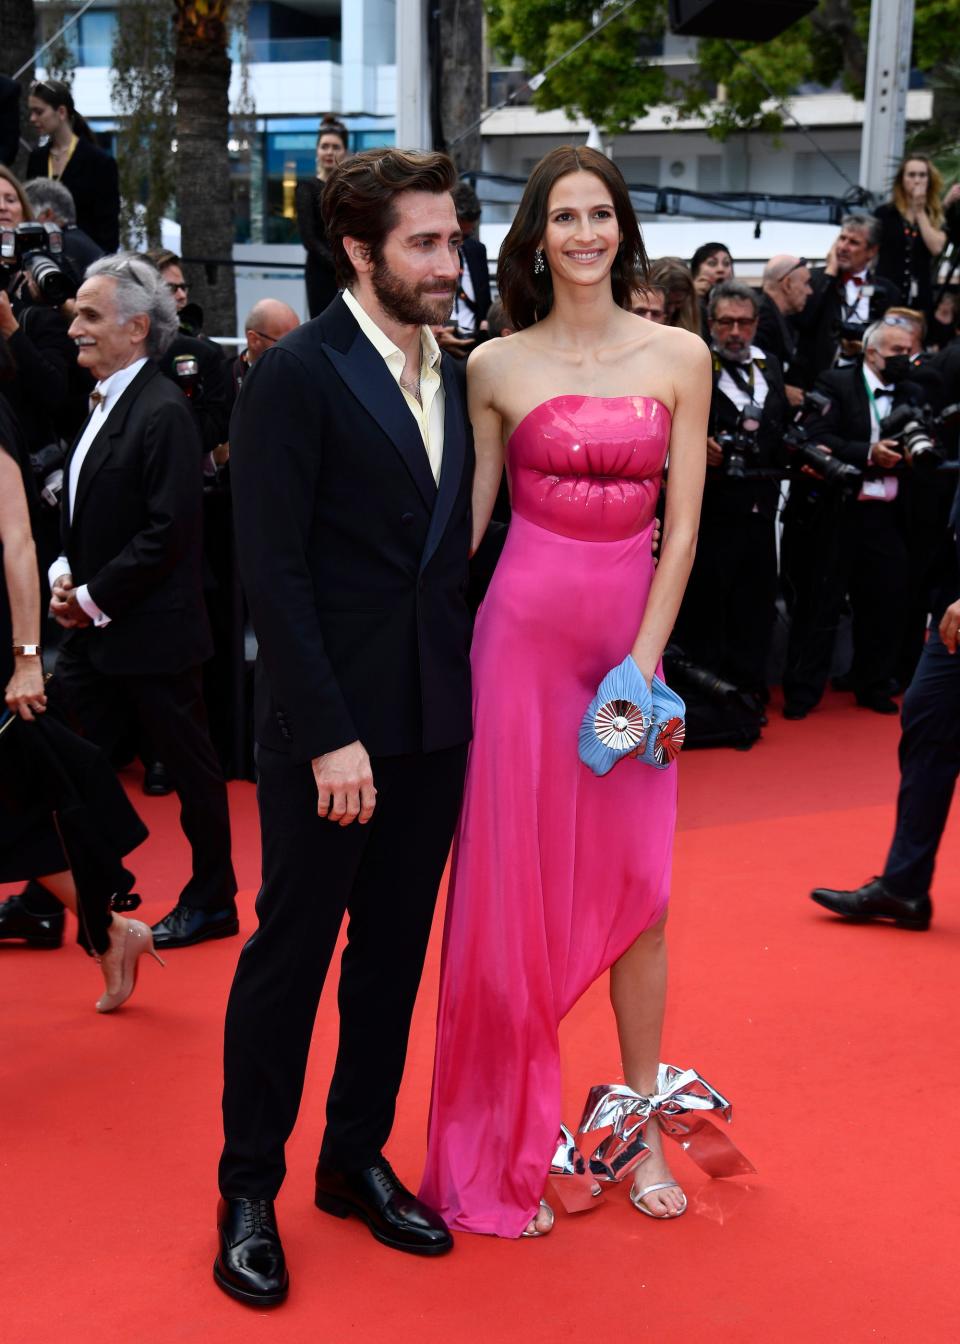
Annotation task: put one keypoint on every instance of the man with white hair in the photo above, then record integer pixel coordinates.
(128, 585)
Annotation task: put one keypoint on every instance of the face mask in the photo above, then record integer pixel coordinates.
(896, 368)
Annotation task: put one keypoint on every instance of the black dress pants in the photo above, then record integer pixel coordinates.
(385, 877)
(171, 713)
(929, 765)
(833, 549)
(726, 620)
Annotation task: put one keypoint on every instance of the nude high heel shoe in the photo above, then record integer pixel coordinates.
(129, 943)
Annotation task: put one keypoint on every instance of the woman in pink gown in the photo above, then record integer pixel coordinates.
(559, 874)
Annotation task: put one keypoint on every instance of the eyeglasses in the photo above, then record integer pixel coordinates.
(797, 266)
(263, 335)
(894, 320)
(726, 323)
(174, 285)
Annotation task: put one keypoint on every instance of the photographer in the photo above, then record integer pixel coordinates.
(846, 297)
(51, 200)
(726, 620)
(854, 545)
(36, 355)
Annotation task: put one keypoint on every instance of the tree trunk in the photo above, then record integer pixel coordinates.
(202, 83)
(461, 79)
(18, 29)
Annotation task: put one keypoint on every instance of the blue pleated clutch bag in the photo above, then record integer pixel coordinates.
(618, 718)
(665, 737)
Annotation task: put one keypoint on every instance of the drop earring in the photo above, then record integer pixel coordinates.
(539, 265)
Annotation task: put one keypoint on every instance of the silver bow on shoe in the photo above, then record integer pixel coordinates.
(609, 1144)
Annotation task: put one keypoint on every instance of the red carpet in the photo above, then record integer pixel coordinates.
(837, 1045)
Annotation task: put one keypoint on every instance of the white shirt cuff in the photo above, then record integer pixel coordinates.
(59, 567)
(85, 601)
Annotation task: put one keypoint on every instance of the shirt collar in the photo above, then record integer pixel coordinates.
(874, 382)
(382, 343)
(111, 388)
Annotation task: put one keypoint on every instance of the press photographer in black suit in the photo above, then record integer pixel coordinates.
(929, 766)
(857, 546)
(127, 585)
(847, 295)
(351, 466)
(726, 620)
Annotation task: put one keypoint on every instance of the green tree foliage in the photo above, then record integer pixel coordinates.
(141, 87)
(611, 81)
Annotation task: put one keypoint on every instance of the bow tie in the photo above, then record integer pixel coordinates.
(96, 399)
(849, 278)
(884, 391)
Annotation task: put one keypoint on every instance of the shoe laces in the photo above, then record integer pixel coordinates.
(386, 1178)
(256, 1215)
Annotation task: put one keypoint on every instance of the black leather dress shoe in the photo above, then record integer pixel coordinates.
(795, 711)
(156, 781)
(392, 1213)
(878, 702)
(874, 900)
(184, 926)
(36, 930)
(251, 1265)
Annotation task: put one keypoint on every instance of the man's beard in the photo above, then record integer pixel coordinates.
(412, 305)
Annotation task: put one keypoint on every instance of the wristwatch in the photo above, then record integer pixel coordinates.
(27, 650)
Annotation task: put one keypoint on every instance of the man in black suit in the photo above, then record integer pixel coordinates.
(9, 120)
(786, 288)
(127, 585)
(846, 298)
(726, 620)
(856, 547)
(351, 470)
(929, 766)
(468, 322)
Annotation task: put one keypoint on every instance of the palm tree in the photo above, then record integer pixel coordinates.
(201, 72)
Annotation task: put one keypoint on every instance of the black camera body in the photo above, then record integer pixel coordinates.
(798, 440)
(741, 446)
(916, 432)
(36, 249)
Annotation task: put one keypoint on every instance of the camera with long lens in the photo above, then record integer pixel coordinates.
(47, 467)
(741, 446)
(914, 429)
(798, 439)
(35, 249)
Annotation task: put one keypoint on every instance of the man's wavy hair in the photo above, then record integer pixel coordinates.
(528, 297)
(360, 196)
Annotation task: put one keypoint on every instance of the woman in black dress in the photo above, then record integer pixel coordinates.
(64, 819)
(911, 232)
(72, 156)
(320, 274)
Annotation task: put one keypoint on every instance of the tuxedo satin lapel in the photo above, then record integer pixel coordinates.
(371, 382)
(99, 451)
(454, 455)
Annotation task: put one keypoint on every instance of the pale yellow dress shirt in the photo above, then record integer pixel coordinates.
(429, 414)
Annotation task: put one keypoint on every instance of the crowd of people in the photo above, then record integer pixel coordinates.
(359, 469)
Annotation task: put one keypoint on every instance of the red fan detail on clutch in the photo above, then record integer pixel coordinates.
(669, 740)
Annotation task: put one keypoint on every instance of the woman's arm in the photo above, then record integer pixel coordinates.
(688, 437)
(934, 239)
(487, 436)
(307, 197)
(25, 688)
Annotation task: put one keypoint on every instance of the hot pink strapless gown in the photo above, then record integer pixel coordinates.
(555, 871)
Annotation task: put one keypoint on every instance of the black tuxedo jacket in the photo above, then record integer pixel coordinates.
(819, 323)
(136, 534)
(776, 333)
(736, 496)
(353, 560)
(847, 428)
(475, 260)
